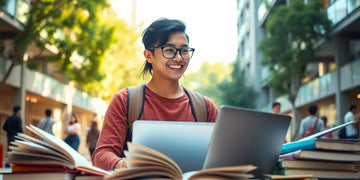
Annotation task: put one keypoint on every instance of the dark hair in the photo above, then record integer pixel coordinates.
(324, 118)
(313, 109)
(275, 104)
(158, 34)
(93, 126)
(76, 119)
(48, 112)
(352, 107)
(16, 109)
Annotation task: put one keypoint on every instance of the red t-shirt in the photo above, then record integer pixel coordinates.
(113, 133)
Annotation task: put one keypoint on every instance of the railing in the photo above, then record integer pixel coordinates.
(340, 9)
(17, 9)
(324, 86)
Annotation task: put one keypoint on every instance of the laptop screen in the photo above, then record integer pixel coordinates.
(247, 137)
(184, 142)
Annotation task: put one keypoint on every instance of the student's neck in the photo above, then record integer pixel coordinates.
(166, 89)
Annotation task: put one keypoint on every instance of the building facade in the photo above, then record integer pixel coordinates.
(333, 82)
(36, 91)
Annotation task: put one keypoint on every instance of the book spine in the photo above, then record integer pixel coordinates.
(298, 145)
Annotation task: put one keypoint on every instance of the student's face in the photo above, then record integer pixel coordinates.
(276, 109)
(169, 69)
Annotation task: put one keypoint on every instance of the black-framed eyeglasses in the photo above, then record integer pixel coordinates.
(170, 52)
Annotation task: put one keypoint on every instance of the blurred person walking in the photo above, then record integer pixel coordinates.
(72, 132)
(92, 137)
(47, 123)
(351, 130)
(328, 135)
(312, 121)
(12, 126)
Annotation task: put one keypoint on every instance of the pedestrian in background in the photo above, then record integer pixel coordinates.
(47, 123)
(92, 137)
(311, 120)
(72, 132)
(276, 107)
(328, 135)
(12, 126)
(351, 130)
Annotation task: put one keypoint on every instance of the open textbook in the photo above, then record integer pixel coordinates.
(142, 162)
(54, 151)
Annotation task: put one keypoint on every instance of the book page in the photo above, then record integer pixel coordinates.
(77, 158)
(151, 172)
(79, 161)
(26, 146)
(231, 172)
(134, 159)
(134, 148)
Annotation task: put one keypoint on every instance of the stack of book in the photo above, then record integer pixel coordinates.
(322, 158)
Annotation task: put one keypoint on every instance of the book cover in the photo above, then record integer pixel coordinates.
(321, 174)
(323, 155)
(38, 175)
(325, 144)
(316, 164)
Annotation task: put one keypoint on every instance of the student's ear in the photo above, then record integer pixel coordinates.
(148, 56)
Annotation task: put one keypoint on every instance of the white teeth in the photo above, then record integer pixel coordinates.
(175, 67)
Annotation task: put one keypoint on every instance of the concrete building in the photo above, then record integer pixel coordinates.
(35, 91)
(334, 75)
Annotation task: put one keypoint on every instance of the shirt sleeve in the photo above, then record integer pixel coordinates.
(113, 134)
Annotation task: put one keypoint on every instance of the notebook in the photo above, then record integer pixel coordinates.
(184, 142)
(243, 136)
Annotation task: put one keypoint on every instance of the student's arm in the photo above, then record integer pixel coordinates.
(113, 134)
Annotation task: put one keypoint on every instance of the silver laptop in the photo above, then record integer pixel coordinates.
(184, 142)
(243, 136)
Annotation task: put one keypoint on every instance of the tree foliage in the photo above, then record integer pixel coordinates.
(293, 30)
(122, 62)
(234, 90)
(74, 28)
(207, 79)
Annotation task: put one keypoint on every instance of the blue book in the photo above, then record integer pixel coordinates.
(314, 142)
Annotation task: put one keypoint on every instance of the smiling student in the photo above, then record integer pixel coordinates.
(167, 53)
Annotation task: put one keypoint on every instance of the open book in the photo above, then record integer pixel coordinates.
(142, 162)
(147, 163)
(32, 151)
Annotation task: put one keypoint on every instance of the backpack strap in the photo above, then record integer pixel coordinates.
(135, 103)
(198, 105)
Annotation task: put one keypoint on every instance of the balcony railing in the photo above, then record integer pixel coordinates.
(340, 9)
(324, 86)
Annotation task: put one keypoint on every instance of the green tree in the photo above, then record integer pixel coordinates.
(122, 62)
(74, 28)
(206, 80)
(234, 90)
(293, 31)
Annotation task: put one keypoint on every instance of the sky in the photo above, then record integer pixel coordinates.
(211, 24)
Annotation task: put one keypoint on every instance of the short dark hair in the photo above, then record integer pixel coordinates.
(313, 109)
(16, 108)
(275, 104)
(158, 34)
(352, 107)
(48, 112)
